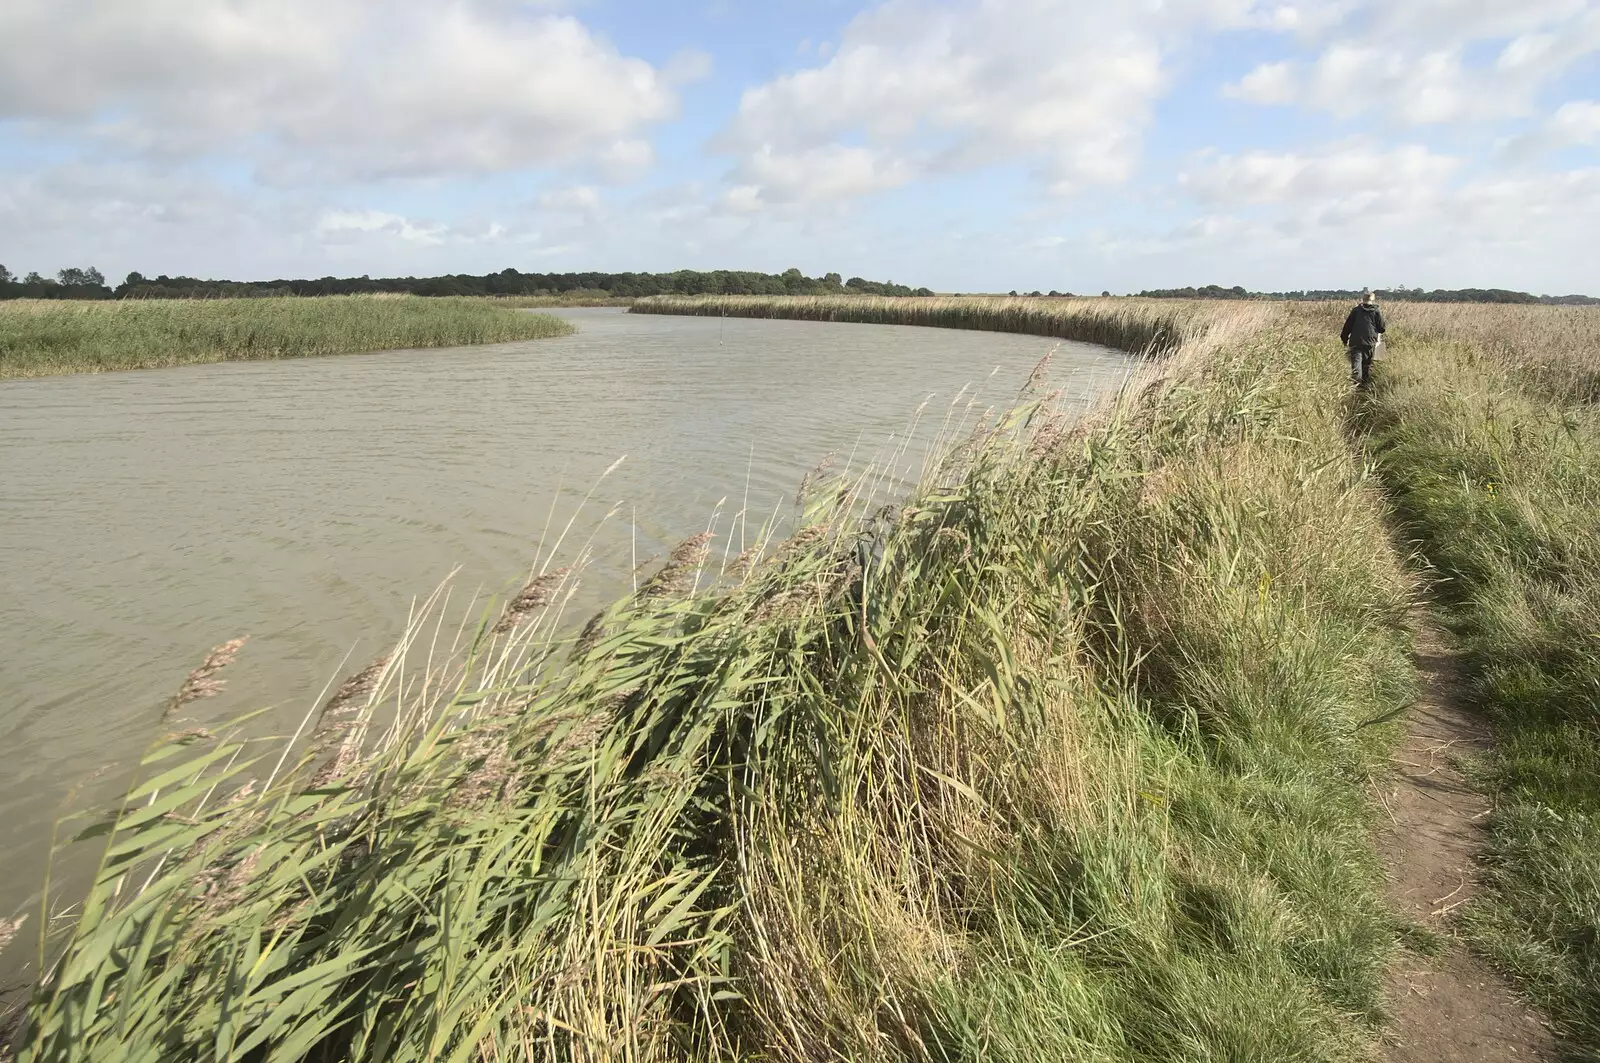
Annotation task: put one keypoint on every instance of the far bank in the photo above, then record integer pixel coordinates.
(45, 338)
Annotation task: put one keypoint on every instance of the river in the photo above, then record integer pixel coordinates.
(147, 516)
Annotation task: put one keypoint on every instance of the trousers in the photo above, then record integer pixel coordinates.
(1361, 363)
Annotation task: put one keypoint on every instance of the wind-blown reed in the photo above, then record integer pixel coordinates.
(1062, 757)
(1148, 326)
(43, 337)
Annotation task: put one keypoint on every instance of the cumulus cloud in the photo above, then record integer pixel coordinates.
(1267, 83)
(356, 90)
(825, 173)
(334, 223)
(1348, 172)
(917, 87)
(1574, 124)
(1377, 215)
(1412, 63)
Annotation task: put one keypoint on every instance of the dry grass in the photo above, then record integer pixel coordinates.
(1558, 347)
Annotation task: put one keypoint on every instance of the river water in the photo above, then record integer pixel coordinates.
(147, 516)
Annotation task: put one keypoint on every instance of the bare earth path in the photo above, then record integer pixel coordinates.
(1450, 1008)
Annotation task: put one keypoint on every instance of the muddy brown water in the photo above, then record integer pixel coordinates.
(147, 516)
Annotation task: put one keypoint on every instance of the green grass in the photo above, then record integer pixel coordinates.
(1060, 758)
(39, 338)
(1495, 468)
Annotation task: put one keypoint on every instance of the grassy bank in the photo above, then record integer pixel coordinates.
(540, 302)
(39, 338)
(1062, 758)
(1484, 424)
(1154, 327)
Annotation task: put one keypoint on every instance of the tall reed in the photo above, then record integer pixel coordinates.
(1153, 327)
(1553, 348)
(1061, 757)
(42, 337)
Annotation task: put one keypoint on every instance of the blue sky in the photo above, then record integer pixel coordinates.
(969, 145)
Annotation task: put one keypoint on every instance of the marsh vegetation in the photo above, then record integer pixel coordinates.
(45, 337)
(1484, 422)
(1069, 754)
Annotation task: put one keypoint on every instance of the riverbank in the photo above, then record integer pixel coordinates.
(569, 300)
(1064, 757)
(1152, 327)
(44, 337)
(1484, 425)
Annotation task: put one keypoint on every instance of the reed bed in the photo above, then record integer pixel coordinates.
(565, 299)
(1553, 348)
(1145, 326)
(44, 337)
(1489, 441)
(1065, 756)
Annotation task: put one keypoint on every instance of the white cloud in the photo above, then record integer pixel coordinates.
(1351, 171)
(1372, 215)
(917, 86)
(580, 199)
(336, 222)
(309, 89)
(1267, 83)
(1410, 63)
(1575, 123)
(826, 173)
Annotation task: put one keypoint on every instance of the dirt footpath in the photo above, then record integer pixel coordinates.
(1450, 1008)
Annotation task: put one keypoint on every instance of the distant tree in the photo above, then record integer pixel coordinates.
(1105, 295)
(134, 278)
(33, 277)
(1013, 291)
(5, 275)
(1054, 294)
(81, 278)
(832, 280)
(1035, 293)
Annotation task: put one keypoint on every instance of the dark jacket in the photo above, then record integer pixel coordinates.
(1363, 327)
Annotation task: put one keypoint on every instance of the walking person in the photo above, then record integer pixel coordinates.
(1362, 332)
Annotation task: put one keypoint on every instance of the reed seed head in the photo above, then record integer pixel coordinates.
(538, 593)
(190, 734)
(223, 891)
(1041, 371)
(675, 576)
(203, 681)
(8, 930)
(333, 724)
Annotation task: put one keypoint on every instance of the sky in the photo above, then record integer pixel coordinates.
(965, 145)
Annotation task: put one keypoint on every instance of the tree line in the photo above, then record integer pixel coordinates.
(90, 283)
